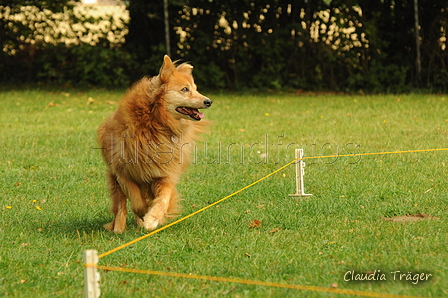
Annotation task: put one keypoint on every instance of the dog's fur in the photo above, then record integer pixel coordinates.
(146, 144)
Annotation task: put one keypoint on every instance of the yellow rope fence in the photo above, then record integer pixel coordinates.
(254, 282)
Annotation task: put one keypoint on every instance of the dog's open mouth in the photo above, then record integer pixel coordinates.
(193, 113)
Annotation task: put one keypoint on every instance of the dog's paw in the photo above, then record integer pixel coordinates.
(138, 221)
(113, 228)
(150, 222)
(109, 226)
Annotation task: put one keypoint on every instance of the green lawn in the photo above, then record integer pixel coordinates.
(54, 199)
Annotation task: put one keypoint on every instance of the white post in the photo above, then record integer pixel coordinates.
(300, 172)
(91, 276)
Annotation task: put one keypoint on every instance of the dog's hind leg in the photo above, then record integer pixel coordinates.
(164, 191)
(118, 208)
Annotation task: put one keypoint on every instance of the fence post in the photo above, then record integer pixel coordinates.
(91, 275)
(300, 172)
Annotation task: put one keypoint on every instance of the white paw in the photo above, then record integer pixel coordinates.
(150, 222)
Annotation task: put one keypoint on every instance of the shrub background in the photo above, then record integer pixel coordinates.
(309, 45)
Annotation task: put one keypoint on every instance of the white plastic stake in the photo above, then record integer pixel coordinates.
(91, 275)
(300, 172)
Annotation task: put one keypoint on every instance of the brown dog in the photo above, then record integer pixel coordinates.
(146, 144)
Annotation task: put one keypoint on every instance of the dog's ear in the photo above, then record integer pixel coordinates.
(167, 69)
(185, 68)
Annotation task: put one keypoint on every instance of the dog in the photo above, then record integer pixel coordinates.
(146, 144)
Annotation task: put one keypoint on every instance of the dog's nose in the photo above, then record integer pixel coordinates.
(208, 102)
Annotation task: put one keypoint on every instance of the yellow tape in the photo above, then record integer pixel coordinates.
(257, 282)
(374, 153)
(192, 214)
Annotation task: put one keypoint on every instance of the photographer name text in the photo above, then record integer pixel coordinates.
(377, 275)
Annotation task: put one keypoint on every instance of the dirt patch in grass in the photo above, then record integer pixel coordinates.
(410, 217)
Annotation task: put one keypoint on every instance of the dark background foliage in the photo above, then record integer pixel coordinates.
(339, 45)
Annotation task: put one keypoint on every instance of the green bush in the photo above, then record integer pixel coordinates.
(64, 45)
(84, 65)
(308, 45)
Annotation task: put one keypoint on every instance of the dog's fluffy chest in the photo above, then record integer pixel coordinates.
(145, 158)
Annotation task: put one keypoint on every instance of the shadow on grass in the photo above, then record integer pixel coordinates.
(75, 225)
(91, 226)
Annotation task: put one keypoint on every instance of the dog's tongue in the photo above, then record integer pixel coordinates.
(193, 113)
(201, 115)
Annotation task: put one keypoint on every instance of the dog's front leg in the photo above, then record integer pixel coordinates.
(163, 191)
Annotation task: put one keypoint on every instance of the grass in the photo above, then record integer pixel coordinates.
(54, 199)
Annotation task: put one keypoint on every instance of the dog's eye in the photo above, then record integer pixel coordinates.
(185, 89)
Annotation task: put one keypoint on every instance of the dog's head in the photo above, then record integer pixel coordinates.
(182, 99)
